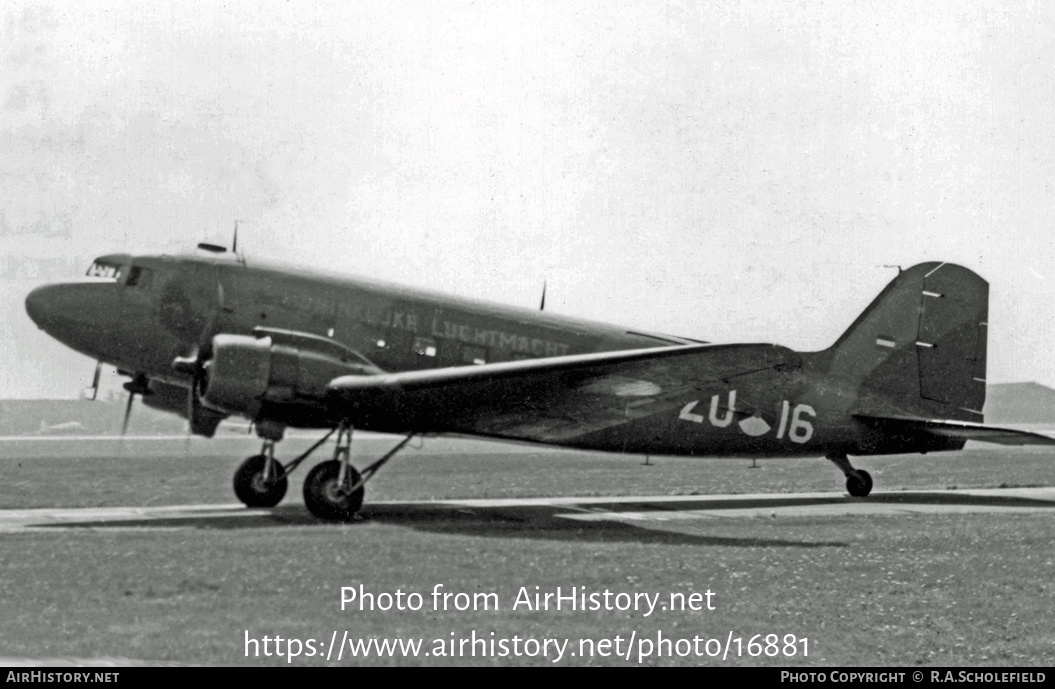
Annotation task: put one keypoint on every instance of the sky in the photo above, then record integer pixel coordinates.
(733, 172)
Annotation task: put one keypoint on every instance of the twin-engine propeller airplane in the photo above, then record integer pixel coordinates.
(211, 335)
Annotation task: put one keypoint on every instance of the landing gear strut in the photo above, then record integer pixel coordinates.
(332, 490)
(858, 481)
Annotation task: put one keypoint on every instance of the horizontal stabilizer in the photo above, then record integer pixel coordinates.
(962, 430)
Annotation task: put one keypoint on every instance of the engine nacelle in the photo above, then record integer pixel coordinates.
(282, 367)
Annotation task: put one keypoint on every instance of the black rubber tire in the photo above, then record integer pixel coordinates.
(249, 483)
(859, 487)
(323, 497)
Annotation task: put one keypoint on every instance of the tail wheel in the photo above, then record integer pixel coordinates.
(859, 486)
(251, 487)
(326, 498)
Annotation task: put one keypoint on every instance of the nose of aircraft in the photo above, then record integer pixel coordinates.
(96, 318)
(73, 313)
(40, 305)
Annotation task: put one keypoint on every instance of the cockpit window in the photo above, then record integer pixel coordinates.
(139, 277)
(105, 269)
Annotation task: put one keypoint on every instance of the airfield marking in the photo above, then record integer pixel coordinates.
(648, 508)
(18, 520)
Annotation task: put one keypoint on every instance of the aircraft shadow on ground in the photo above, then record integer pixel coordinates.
(531, 522)
(552, 522)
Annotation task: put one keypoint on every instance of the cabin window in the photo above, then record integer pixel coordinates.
(371, 338)
(424, 346)
(474, 355)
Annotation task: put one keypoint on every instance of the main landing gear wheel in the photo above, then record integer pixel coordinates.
(328, 488)
(326, 497)
(859, 486)
(253, 489)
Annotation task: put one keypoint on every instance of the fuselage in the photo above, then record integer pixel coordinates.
(143, 313)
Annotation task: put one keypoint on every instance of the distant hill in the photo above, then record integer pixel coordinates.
(1019, 403)
(1007, 403)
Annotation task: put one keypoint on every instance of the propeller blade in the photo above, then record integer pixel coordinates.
(190, 420)
(95, 379)
(128, 412)
(190, 410)
(139, 385)
(542, 306)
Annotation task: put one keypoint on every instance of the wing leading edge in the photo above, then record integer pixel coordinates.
(556, 399)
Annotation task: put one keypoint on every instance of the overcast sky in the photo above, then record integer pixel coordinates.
(726, 171)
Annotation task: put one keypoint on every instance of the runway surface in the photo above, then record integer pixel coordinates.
(635, 509)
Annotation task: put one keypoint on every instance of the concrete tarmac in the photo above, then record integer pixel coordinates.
(636, 509)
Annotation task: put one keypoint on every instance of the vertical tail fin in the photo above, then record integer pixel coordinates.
(922, 343)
